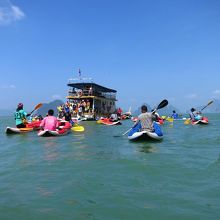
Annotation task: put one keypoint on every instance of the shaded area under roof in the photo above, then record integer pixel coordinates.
(95, 87)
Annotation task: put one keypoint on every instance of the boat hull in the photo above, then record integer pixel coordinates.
(135, 134)
(64, 128)
(11, 130)
(203, 121)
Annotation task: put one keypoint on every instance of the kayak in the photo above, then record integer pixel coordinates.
(203, 121)
(34, 124)
(136, 134)
(11, 130)
(125, 116)
(29, 127)
(107, 121)
(64, 128)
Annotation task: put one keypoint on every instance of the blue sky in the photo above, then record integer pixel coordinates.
(146, 50)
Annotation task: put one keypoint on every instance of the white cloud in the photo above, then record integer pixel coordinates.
(192, 96)
(216, 93)
(8, 87)
(9, 12)
(54, 97)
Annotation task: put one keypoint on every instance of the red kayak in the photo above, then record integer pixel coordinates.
(64, 128)
(203, 121)
(107, 121)
(34, 124)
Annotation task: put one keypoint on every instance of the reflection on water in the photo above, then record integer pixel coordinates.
(50, 149)
(218, 159)
(148, 148)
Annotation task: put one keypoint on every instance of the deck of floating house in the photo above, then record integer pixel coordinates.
(102, 99)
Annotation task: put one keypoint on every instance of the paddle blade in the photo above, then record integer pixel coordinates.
(169, 119)
(187, 121)
(38, 106)
(78, 128)
(162, 104)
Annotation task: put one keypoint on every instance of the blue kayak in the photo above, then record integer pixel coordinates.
(137, 134)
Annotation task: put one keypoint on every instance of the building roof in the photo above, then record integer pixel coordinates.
(93, 85)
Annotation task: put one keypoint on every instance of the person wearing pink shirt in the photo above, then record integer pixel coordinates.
(50, 122)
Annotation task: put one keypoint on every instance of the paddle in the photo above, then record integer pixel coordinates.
(207, 105)
(161, 105)
(126, 131)
(36, 108)
(29, 114)
(188, 120)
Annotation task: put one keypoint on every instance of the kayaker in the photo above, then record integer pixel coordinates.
(119, 112)
(113, 117)
(49, 122)
(146, 119)
(195, 115)
(68, 117)
(174, 115)
(20, 116)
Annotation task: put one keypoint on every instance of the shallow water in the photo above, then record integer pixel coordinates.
(99, 174)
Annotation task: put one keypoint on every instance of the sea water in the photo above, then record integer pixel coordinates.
(98, 174)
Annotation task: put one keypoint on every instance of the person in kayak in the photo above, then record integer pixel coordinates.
(195, 115)
(113, 117)
(146, 119)
(68, 117)
(49, 122)
(174, 115)
(20, 116)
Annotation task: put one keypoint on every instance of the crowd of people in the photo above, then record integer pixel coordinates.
(75, 108)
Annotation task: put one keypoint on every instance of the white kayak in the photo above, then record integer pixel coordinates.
(11, 130)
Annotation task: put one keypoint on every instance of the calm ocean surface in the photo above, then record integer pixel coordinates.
(95, 175)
